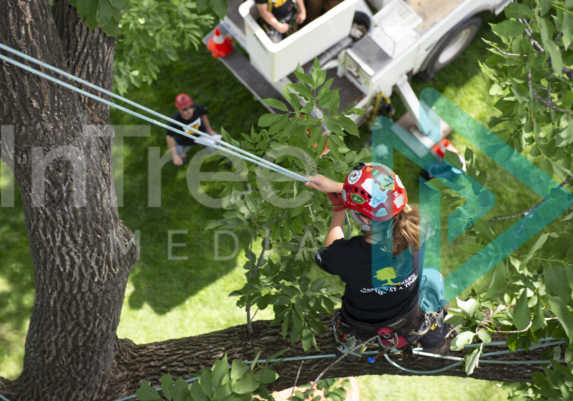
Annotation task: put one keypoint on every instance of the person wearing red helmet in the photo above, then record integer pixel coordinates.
(191, 114)
(381, 267)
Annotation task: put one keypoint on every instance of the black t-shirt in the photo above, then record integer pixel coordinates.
(352, 261)
(281, 8)
(194, 121)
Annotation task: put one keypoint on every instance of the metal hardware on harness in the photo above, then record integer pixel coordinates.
(421, 333)
(385, 334)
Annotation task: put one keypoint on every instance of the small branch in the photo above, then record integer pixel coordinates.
(262, 255)
(253, 217)
(549, 100)
(248, 307)
(515, 331)
(531, 208)
(335, 363)
(511, 54)
(296, 380)
(549, 105)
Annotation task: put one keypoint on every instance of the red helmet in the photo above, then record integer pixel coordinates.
(375, 191)
(182, 101)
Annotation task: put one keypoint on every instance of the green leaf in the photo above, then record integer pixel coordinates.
(349, 126)
(335, 102)
(146, 393)
(317, 326)
(521, 315)
(219, 7)
(539, 243)
(469, 307)
(223, 391)
(567, 28)
(168, 386)
(307, 338)
(516, 10)
(181, 390)
(324, 88)
(461, 340)
(267, 119)
(321, 146)
(220, 371)
(317, 285)
(303, 90)
(538, 317)
(471, 361)
(563, 314)
(565, 137)
(275, 104)
(87, 7)
(238, 368)
(266, 376)
(246, 385)
(121, 4)
(202, 5)
(498, 280)
(305, 79)
(206, 383)
(484, 336)
(544, 6)
(197, 392)
(105, 12)
(556, 283)
(509, 29)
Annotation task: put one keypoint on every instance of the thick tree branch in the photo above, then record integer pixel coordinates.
(185, 357)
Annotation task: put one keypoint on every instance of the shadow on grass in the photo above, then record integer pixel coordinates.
(161, 281)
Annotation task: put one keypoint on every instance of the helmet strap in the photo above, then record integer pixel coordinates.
(365, 227)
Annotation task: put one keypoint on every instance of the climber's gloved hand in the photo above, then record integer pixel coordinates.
(337, 202)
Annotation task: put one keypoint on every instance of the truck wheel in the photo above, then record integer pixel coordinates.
(450, 46)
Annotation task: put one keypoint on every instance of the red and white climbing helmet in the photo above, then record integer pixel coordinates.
(182, 101)
(375, 191)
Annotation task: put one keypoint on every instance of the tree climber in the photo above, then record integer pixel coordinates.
(192, 114)
(381, 268)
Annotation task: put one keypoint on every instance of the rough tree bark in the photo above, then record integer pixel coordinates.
(184, 357)
(83, 255)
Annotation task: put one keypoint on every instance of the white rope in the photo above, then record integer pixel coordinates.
(219, 144)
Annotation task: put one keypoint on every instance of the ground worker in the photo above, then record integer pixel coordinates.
(195, 116)
(381, 268)
(280, 18)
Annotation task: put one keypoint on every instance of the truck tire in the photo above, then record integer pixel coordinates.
(450, 47)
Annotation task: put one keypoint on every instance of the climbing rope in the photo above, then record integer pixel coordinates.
(204, 139)
(417, 351)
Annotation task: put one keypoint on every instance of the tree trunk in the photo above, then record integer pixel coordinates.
(184, 357)
(82, 252)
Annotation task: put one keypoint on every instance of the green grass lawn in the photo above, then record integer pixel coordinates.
(175, 298)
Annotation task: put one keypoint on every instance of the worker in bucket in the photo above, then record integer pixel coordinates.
(382, 267)
(280, 18)
(193, 115)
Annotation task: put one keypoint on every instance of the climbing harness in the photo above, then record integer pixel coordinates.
(396, 334)
(204, 138)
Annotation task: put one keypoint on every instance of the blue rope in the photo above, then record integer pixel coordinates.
(226, 147)
(3, 398)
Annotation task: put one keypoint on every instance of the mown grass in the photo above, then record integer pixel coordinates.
(175, 298)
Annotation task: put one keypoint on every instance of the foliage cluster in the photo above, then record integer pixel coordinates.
(530, 295)
(285, 215)
(238, 382)
(151, 34)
